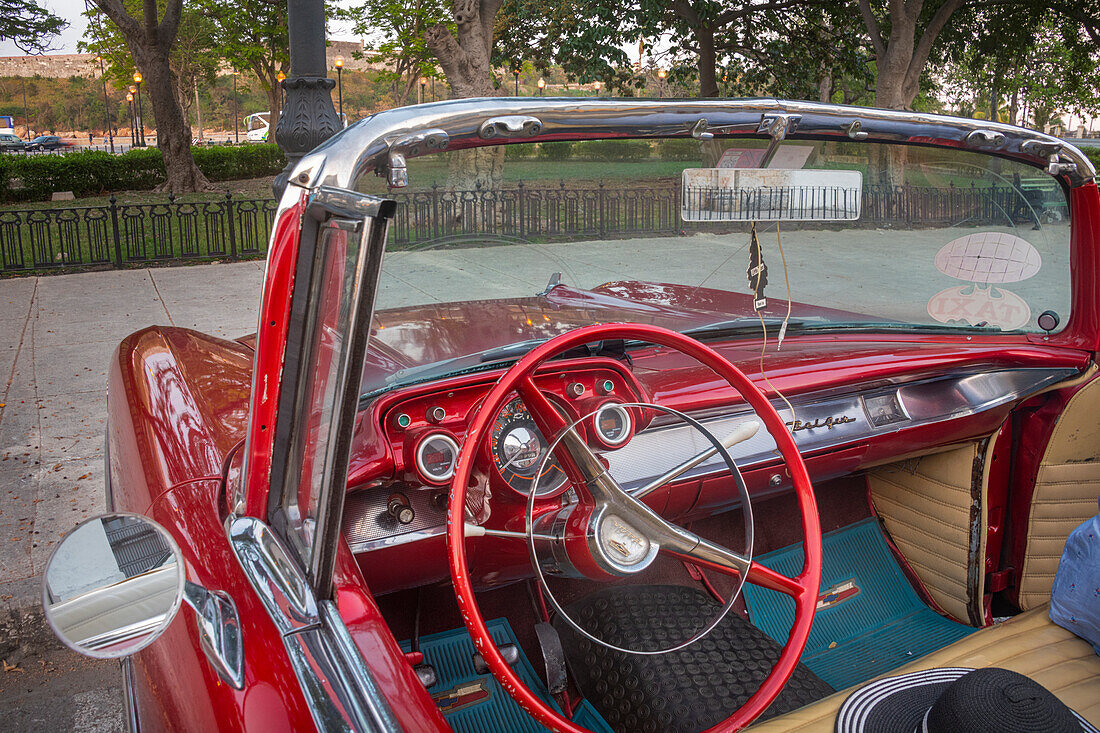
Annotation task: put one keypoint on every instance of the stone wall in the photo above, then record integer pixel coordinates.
(51, 66)
(66, 65)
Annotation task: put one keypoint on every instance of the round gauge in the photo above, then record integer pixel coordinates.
(518, 449)
(436, 457)
(613, 424)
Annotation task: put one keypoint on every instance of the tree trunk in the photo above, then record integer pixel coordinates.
(465, 57)
(198, 110)
(825, 87)
(708, 71)
(173, 132)
(150, 43)
(995, 97)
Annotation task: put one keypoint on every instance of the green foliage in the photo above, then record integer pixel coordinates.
(555, 151)
(677, 148)
(522, 151)
(35, 177)
(617, 150)
(232, 163)
(1093, 155)
(28, 25)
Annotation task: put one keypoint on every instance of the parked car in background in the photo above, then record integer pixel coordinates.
(11, 143)
(49, 142)
(505, 452)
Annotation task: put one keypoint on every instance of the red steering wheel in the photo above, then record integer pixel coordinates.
(803, 589)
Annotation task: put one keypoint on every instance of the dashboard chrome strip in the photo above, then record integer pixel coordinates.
(817, 424)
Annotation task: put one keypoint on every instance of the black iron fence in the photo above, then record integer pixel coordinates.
(121, 235)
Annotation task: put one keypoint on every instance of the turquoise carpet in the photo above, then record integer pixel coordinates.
(474, 703)
(869, 619)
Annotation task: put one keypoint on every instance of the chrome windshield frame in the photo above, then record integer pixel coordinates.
(406, 132)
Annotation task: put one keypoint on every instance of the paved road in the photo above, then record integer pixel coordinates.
(56, 337)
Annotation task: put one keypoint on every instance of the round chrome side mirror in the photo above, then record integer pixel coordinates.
(113, 585)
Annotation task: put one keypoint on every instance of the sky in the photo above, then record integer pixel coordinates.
(73, 11)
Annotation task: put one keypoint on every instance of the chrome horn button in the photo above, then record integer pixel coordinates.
(622, 545)
(622, 541)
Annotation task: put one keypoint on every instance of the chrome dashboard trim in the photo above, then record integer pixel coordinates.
(365, 146)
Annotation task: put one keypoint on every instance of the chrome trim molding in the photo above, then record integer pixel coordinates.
(274, 575)
(337, 686)
(219, 631)
(377, 708)
(365, 146)
(129, 707)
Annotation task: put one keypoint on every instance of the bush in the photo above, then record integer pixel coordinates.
(555, 151)
(679, 148)
(612, 150)
(521, 151)
(1093, 154)
(90, 172)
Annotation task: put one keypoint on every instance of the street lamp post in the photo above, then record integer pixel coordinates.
(541, 85)
(515, 73)
(26, 120)
(140, 111)
(598, 87)
(130, 111)
(340, 88)
(311, 116)
(661, 74)
(106, 115)
(423, 88)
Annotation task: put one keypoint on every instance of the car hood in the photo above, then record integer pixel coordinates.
(414, 336)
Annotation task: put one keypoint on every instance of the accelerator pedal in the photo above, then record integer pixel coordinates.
(474, 702)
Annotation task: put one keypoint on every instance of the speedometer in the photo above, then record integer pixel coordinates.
(519, 449)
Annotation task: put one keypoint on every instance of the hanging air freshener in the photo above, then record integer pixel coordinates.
(757, 272)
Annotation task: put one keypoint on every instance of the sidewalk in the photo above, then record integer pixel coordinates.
(56, 337)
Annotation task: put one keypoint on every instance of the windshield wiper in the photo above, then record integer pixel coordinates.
(751, 324)
(510, 351)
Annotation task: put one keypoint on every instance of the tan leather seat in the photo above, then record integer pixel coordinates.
(1030, 644)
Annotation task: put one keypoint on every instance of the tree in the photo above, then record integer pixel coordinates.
(150, 36)
(252, 36)
(396, 31)
(194, 58)
(28, 25)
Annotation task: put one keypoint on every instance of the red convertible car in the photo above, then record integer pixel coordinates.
(613, 415)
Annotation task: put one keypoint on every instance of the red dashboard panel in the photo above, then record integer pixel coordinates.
(856, 405)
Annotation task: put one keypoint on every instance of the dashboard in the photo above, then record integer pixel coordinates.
(838, 431)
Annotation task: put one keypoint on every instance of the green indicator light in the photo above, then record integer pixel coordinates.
(608, 385)
(403, 420)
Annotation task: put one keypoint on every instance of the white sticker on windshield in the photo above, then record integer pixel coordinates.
(989, 257)
(985, 258)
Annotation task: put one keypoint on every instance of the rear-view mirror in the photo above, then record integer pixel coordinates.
(750, 194)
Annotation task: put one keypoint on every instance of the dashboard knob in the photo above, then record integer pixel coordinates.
(398, 507)
(435, 414)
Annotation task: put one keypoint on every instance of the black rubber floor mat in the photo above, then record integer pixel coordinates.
(683, 691)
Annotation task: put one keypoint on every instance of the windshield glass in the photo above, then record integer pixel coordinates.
(494, 250)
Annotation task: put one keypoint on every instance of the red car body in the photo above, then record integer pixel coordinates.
(186, 410)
